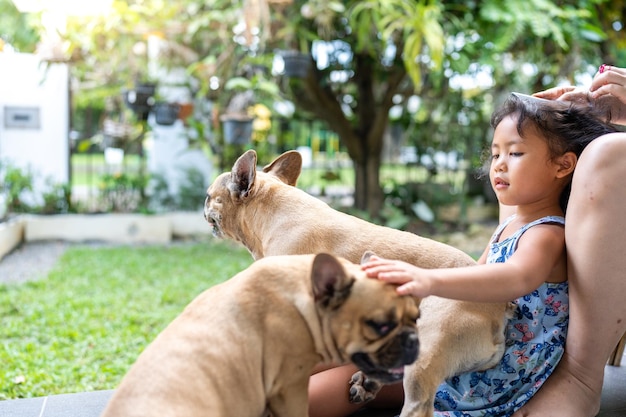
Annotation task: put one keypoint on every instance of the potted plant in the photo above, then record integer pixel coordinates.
(236, 119)
(166, 114)
(296, 63)
(300, 27)
(140, 99)
(185, 111)
(237, 129)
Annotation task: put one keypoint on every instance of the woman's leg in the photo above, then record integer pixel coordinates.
(595, 235)
(328, 393)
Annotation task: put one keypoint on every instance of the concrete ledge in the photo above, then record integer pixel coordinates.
(109, 227)
(188, 224)
(114, 227)
(11, 235)
(119, 228)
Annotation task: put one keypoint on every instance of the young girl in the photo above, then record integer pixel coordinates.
(593, 236)
(535, 148)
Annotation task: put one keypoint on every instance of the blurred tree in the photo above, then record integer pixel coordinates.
(16, 29)
(454, 58)
(399, 48)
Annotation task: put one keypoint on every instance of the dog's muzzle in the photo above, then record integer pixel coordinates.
(387, 364)
(213, 219)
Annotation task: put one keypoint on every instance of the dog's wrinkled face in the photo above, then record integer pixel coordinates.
(216, 196)
(231, 190)
(370, 324)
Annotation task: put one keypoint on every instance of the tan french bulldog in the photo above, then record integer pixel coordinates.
(247, 347)
(265, 212)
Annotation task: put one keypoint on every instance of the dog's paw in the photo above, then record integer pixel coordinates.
(362, 388)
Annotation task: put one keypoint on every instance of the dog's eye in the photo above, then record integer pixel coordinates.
(382, 328)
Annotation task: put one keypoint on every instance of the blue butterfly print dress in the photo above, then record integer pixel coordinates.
(535, 341)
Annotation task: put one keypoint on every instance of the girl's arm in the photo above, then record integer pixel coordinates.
(539, 251)
(483, 257)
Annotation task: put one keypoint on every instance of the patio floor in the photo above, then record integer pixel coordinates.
(91, 404)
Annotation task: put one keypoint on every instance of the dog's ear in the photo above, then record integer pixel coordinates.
(331, 283)
(286, 167)
(243, 174)
(366, 256)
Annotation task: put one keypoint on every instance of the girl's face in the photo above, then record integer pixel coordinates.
(522, 171)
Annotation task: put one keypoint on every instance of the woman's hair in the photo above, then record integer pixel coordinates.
(565, 126)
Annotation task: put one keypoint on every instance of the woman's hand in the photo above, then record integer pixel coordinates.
(568, 93)
(607, 91)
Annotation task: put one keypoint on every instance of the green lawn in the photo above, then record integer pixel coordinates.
(83, 326)
(88, 169)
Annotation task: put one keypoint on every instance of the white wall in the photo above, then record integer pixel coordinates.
(27, 82)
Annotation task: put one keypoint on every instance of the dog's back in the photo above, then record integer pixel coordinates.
(321, 228)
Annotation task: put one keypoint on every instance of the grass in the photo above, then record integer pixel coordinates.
(88, 169)
(82, 327)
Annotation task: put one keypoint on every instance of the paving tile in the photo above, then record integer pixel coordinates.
(614, 392)
(91, 404)
(29, 407)
(84, 404)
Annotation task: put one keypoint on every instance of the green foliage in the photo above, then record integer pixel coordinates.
(403, 196)
(160, 197)
(411, 25)
(123, 193)
(57, 199)
(384, 51)
(257, 83)
(190, 195)
(542, 18)
(80, 328)
(16, 186)
(192, 190)
(15, 182)
(17, 29)
(389, 216)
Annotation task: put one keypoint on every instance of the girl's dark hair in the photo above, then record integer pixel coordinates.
(566, 127)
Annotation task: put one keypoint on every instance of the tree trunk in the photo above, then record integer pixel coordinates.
(368, 194)
(362, 135)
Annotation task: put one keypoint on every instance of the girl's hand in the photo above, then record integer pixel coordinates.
(411, 279)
